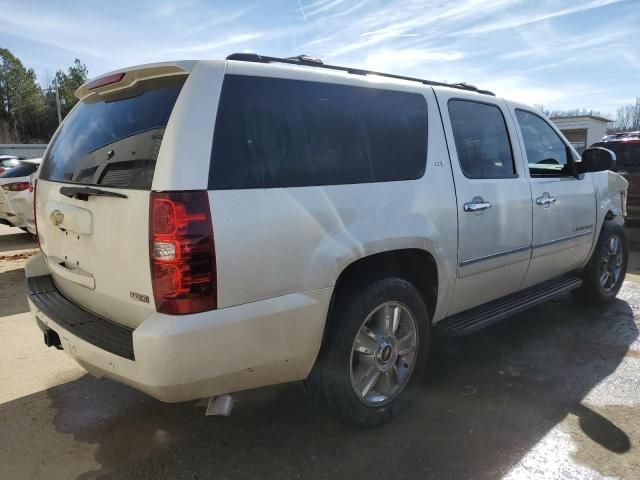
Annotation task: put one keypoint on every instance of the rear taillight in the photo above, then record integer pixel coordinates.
(2, 170)
(16, 186)
(181, 252)
(104, 81)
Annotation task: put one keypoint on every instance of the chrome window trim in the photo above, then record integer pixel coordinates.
(471, 261)
(563, 239)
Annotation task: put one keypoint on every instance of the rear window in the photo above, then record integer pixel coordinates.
(113, 141)
(9, 163)
(24, 169)
(274, 132)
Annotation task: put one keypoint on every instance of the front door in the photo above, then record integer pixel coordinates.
(564, 205)
(493, 196)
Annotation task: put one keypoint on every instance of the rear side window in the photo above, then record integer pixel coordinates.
(113, 141)
(482, 140)
(274, 132)
(24, 169)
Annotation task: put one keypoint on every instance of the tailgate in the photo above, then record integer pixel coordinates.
(97, 250)
(92, 198)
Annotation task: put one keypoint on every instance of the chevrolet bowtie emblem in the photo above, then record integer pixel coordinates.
(57, 217)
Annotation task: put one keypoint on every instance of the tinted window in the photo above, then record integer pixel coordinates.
(24, 169)
(279, 133)
(482, 140)
(627, 153)
(9, 163)
(546, 152)
(113, 140)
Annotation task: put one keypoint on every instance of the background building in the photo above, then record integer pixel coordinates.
(582, 130)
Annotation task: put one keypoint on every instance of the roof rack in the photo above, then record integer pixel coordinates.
(309, 61)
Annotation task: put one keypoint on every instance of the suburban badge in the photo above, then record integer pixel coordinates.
(140, 297)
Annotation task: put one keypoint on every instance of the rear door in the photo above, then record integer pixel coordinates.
(493, 196)
(96, 242)
(564, 205)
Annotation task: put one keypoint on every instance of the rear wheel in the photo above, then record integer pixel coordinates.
(605, 272)
(376, 344)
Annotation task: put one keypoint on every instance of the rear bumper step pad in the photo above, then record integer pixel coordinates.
(102, 333)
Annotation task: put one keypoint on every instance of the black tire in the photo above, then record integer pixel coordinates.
(592, 290)
(330, 384)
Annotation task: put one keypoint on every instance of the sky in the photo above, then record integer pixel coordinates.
(556, 53)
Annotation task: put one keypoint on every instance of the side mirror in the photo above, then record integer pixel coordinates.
(596, 159)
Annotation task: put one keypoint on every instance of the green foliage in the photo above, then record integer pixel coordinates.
(68, 83)
(28, 113)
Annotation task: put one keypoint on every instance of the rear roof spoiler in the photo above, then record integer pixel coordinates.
(128, 77)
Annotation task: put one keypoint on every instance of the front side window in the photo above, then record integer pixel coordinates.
(547, 154)
(482, 140)
(274, 132)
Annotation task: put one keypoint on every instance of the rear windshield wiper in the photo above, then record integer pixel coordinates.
(83, 193)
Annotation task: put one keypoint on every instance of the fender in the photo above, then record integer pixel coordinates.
(608, 189)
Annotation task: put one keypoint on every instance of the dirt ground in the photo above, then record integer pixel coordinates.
(553, 393)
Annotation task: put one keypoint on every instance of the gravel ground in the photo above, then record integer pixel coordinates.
(553, 393)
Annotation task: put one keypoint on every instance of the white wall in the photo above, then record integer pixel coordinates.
(596, 128)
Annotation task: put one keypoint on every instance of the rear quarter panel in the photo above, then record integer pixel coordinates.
(271, 242)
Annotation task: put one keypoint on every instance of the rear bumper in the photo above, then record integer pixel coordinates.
(179, 358)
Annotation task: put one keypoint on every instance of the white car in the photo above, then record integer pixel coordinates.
(16, 195)
(213, 226)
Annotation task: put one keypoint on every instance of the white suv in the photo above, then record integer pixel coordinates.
(213, 226)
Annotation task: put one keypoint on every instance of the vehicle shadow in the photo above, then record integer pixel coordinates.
(13, 299)
(486, 402)
(16, 241)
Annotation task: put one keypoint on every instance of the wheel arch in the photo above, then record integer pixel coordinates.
(416, 265)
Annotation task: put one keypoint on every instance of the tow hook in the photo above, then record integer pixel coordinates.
(51, 339)
(220, 405)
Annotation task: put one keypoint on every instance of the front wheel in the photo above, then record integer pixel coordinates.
(376, 344)
(604, 274)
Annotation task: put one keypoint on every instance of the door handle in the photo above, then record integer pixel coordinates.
(545, 200)
(74, 275)
(478, 204)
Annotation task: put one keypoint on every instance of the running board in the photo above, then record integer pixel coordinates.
(476, 318)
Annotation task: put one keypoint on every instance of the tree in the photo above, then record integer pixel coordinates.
(625, 117)
(628, 117)
(68, 83)
(27, 111)
(542, 110)
(576, 112)
(21, 98)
